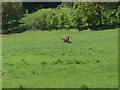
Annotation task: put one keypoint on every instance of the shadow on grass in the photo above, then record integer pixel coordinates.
(105, 27)
(15, 28)
(97, 28)
(69, 42)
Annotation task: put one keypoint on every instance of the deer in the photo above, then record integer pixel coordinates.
(65, 39)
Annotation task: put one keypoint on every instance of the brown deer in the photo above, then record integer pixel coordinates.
(65, 39)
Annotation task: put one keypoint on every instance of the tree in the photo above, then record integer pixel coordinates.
(118, 15)
(0, 14)
(40, 23)
(87, 11)
(107, 11)
(77, 19)
(96, 12)
(54, 21)
(67, 4)
(10, 10)
(62, 18)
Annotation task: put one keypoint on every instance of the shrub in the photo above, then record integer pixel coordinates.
(43, 63)
(40, 22)
(36, 21)
(58, 61)
(83, 86)
(21, 86)
(46, 19)
(69, 62)
(77, 62)
(54, 21)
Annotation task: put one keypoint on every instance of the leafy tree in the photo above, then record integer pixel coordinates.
(54, 21)
(0, 14)
(87, 11)
(96, 12)
(108, 12)
(40, 22)
(10, 10)
(67, 4)
(62, 18)
(118, 15)
(49, 18)
(75, 5)
(77, 19)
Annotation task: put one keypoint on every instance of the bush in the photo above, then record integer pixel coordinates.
(47, 19)
(77, 19)
(40, 22)
(83, 86)
(54, 21)
(21, 86)
(58, 62)
(43, 63)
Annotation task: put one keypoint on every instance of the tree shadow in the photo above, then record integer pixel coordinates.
(104, 27)
(98, 27)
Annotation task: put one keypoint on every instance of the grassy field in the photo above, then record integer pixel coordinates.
(40, 59)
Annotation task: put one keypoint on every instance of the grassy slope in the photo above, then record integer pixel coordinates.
(41, 59)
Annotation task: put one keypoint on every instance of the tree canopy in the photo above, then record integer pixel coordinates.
(54, 15)
(10, 10)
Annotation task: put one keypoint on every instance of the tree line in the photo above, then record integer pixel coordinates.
(18, 16)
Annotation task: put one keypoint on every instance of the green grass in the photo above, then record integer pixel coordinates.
(40, 59)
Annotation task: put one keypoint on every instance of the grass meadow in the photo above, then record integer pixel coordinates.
(40, 59)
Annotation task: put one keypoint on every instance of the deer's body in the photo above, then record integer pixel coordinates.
(65, 39)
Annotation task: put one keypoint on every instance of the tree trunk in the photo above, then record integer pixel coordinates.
(88, 25)
(100, 18)
(6, 28)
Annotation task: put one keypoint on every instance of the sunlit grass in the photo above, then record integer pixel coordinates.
(36, 59)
